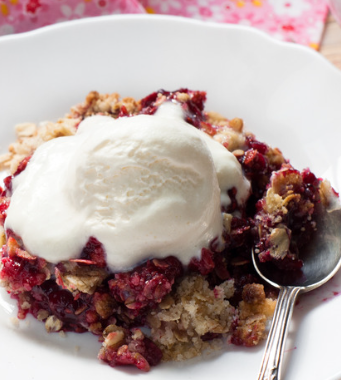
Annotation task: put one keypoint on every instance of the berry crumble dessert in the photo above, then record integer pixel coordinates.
(142, 218)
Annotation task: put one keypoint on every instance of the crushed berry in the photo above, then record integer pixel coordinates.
(121, 302)
(146, 285)
(8, 180)
(22, 165)
(21, 271)
(257, 145)
(301, 196)
(193, 107)
(4, 204)
(8, 185)
(130, 348)
(254, 163)
(205, 264)
(94, 252)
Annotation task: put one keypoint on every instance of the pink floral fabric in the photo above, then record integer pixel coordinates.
(300, 21)
(24, 15)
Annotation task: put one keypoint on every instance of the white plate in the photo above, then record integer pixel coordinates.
(288, 95)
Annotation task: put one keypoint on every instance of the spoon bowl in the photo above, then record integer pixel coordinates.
(322, 259)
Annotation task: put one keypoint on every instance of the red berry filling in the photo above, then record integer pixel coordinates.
(146, 285)
(83, 295)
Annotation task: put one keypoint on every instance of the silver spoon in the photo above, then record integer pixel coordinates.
(322, 259)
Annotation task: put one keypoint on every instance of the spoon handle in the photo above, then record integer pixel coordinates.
(270, 368)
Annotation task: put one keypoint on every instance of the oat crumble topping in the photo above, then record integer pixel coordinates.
(217, 299)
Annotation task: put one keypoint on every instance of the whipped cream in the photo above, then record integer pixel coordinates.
(144, 186)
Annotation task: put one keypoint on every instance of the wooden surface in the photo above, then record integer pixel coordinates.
(331, 42)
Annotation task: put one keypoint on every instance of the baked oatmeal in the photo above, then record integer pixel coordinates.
(176, 280)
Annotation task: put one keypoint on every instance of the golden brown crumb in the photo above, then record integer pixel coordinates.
(76, 278)
(231, 139)
(275, 157)
(53, 324)
(328, 196)
(30, 137)
(182, 97)
(253, 293)
(194, 311)
(255, 310)
(26, 130)
(42, 314)
(284, 180)
(2, 236)
(104, 304)
(280, 242)
(237, 124)
(106, 104)
(216, 119)
(114, 339)
(227, 220)
(238, 152)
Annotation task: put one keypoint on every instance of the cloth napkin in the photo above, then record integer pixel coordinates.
(300, 21)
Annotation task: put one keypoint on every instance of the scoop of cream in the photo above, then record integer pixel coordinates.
(144, 186)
